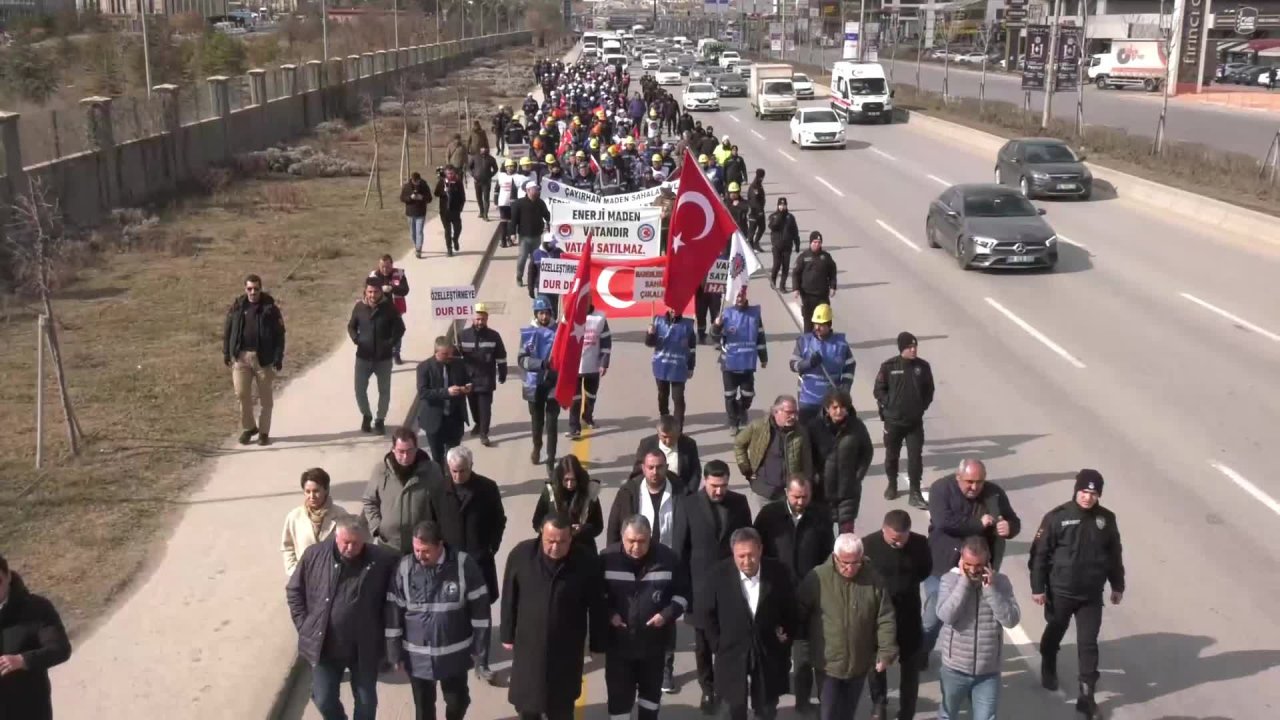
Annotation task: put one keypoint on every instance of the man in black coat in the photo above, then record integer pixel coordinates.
(253, 347)
(901, 558)
(552, 602)
(701, 539)
(904, 391)
(813, 279)
(680, 450)
(453, 195)
(468, 508)
(750, 614)
(842, 453)
(486, 357)
(443, 386)
(483, 167)
(375, 328)
(337, 597)
(784, 238)
(798, 534)
(32, 640)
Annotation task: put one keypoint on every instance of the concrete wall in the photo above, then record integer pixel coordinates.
(90, 184)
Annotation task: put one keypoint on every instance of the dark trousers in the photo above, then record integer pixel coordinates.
(667, 391)
(550, 714)
(706, 309)
(840, 697)
(703, 658)
(544, 413)
(634, 681)
(802, 673)
(504, 226)
(446, 437)
(481, 405)
(763, 703)
(809, 301)
(483, 188)
(739, 391)
(894, 435)
(756, 226)
(781, 265)
(457, 697)
(452, 223)
(583, 407)
(326, 681)
(908, 687)
(1088, 614)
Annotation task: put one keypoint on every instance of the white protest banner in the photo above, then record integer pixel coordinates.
(620, 233)
(555, 191)
(648, 284)
(555, 276)
(453, 302)
(718, 278)
(515, 151)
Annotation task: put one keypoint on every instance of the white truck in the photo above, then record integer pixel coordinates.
(1130, 63)
(860, 91)
(770, 92)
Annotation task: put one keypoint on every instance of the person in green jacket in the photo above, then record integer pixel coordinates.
(771, 449)
(846, 617)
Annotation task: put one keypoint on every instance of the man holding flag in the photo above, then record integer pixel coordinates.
(571, 335)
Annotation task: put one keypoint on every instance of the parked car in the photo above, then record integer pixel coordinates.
(974, 58)
(817, 127)
(990, 226)
(803, 85)
(730, 85)
(1226, 69)
(1043, 167)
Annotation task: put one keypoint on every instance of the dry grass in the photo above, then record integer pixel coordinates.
(140, 325)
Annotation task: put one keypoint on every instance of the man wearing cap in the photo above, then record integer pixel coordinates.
(814, 278)
(548, 250)
(485, 356)
(723, 152)
(739, 209)
(453, 196)
(735, 168)
(529, 219)
(903, 392)
(1076, 552)
(536, 341)
(824, 361)
(674, 342)
(739, 331)
(784, 236)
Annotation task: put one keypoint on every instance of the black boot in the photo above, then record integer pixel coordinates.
(916, 500)
(1049, 672)
(1085, 704)
(536, 454)
(891, 490)
(366, 424)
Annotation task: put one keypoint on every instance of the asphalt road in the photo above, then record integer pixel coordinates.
(1104, 363)
(1244, 131)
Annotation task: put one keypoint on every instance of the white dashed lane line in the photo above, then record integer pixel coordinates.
(1241, 322)
(905, 240)
(1257, 493)
(883, 154)
(786, 155)
(1044, 339)
(830, 187)
(938, 180)
(753, 132)
(734, 118)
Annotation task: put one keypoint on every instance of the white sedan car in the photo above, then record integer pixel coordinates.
(668, 75)
(817, 127)
(802, 84)
(729, 57)
(700, 96)
(650, 61)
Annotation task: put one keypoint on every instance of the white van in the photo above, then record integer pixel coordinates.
(860, 91)
(612, 46)
(680, 41)
(590, 40)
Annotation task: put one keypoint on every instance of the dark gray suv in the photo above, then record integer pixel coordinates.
(1043, 167)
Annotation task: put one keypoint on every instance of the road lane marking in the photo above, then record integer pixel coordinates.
(1247, 486)
(1069, 241)
(883, 154)
(938, 180)
(785, 155)
(734, 118)
(907, 241)
(830, 187)
(1233, 318)
(1036, 334)
(753, 132)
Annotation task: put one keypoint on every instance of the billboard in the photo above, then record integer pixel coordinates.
(1066, 70)
(1033, 71)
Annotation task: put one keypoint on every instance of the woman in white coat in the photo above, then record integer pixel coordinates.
(310, 522)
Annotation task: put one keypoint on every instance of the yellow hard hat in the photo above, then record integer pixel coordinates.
(629, 141)
(550, 159)
(822, 314)
(510, 162)
(703, 159)
(595, 142)
(653, 113)
(526, 160)
(735, 187)
(481, 309)
(657, 157)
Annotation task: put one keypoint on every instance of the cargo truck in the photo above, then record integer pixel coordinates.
(770, 92)
(1130, 63)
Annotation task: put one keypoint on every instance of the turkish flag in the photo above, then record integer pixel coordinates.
(700, 229)
(567, 348)
(613, 287)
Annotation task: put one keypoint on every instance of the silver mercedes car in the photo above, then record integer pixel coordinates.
(991, 226)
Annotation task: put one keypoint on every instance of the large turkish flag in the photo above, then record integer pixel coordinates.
(613, 288)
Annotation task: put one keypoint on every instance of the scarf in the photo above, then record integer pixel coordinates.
(317, 516)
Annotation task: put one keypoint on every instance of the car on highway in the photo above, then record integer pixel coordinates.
(803, 86)
(1043, 167)
(700, 96)
(702, 71)
(730, 85)
(729, 57)
(743, 68)
(685, 62)
(650, 61)
(668, 75)
(817, 127)
(990, 226)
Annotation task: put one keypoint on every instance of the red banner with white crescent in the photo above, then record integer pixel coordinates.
(613, 288)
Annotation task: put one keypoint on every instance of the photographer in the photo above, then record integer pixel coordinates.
(453, 195)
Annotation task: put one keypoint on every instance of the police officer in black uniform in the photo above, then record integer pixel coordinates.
(813, 279)
(903, 391)
(1075, 553)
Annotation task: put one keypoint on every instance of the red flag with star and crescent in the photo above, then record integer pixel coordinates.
(566, 355)
(700, 229)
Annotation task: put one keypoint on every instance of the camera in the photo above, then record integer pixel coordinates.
(440, 172)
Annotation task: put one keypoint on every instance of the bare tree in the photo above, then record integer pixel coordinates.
(986, 37)
(375, 172)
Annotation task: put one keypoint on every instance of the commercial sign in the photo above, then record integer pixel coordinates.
(648, 284)
(1191, 41)
(1246, 21)
(453, 302)
(619, 233)
(1033, 69)
(852, 31)
(555, 276)
(1015, 13)
(1067, 63)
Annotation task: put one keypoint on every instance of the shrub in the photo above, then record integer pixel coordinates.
(28, 74)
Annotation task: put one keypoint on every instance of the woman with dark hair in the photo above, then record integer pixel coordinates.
(571, 491)
(310, 522)
(842, 452)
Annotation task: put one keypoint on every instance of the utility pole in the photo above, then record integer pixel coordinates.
(862, 29)
(395, 22)
(324, 31)
(1080, 67)
(146, 47)
(1051, 65)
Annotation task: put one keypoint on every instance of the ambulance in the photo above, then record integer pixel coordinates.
(860, 92)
